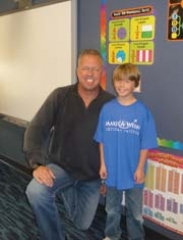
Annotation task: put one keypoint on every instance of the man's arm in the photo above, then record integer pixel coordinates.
(38, 131)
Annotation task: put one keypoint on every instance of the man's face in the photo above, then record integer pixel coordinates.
(89, 72)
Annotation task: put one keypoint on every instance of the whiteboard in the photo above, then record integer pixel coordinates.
(35, 57)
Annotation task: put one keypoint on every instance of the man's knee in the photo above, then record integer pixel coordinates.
(33, 191)
(82, 225)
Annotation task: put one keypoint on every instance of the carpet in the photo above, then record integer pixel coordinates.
(17, 220)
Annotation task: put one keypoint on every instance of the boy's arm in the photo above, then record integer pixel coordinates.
(103, 170)
(139, 175)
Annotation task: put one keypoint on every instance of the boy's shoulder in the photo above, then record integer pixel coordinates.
(142, 105)
(108, 107)
(143, 109)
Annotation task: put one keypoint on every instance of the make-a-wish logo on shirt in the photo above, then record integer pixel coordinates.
(123, 125)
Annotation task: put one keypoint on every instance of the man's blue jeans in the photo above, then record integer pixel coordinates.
(80, 200)
(134, 220)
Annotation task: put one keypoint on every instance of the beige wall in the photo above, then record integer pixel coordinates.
(35, 57)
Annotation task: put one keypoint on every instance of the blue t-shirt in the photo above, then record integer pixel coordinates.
(124, 131)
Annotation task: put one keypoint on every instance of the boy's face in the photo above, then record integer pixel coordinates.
(124, 87)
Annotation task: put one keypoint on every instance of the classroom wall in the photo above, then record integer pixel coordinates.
(161, 86)
(35, 57)
(161, 90)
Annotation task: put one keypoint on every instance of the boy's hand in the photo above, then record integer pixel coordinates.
(139, 176)
(103, 172)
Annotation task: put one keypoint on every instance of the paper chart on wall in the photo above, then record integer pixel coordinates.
(163, 191)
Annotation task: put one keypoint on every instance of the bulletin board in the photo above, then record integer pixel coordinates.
(148, 33)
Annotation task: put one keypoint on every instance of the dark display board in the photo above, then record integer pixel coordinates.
(159, 24)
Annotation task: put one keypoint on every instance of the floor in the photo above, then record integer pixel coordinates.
(17, 221)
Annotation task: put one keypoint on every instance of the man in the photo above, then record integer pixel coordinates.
(71, 169)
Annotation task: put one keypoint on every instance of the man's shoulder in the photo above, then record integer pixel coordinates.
(59, 94)
(61, 90)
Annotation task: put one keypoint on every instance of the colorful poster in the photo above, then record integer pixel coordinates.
(163, 192)
(119, 30)
(130, 36)
(142, 28)
(118, 52)
(142, 52)
(175, 20)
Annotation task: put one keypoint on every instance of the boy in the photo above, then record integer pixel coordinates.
(125, 131)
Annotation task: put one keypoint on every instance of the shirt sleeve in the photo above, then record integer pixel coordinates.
(149, 134)
(37, 134)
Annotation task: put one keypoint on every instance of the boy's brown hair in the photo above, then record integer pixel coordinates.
(127, 70)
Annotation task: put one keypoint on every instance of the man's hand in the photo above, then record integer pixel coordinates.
(103, 188)
(44, 175)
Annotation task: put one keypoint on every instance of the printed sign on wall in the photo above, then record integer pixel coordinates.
(175, 20)
(131, 35)
(163, 192)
